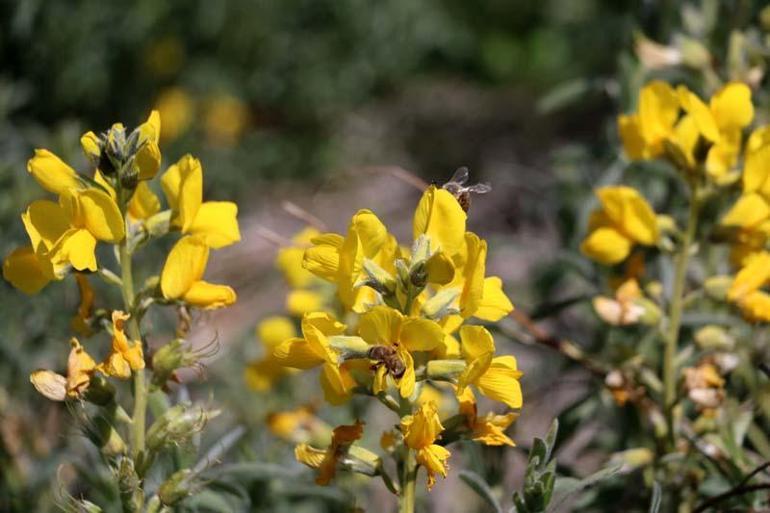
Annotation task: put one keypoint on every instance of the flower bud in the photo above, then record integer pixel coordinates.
(717, 287)
(103, 435)
(445, 370)
(362, 461)
(378, 278)
(177, 487)
(349, 347)
(714, 337)
(158, 224)
(100, 391)
(694, 54)
(128, 485)
(177, 425)
(440, 305)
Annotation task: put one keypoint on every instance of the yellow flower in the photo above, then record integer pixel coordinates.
(52, 173)
(214, 221)
(326, 461)
(26, 271)
(261, 374)
(80, 368)
(420, 431)
(67, 232)
(314, 349)
(750, 218)
(497, 377)
(339, 259)
(305, 297)
(490, 429)
(704, 385)
(721, 122)
(644, 132)
(125, 356)
(176, 109)
(624, 219)
(745, 289)
(387, 328)
(182, 276)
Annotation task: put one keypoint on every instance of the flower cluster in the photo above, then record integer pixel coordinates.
(396, 325)
(114, 204)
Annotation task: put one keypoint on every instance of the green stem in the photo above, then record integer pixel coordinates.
(408, 482)
(140, 388)
(675, 313)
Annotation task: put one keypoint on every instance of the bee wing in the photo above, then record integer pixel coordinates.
(480, 188)
(460, 176)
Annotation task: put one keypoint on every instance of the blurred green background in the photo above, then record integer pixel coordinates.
(282, 99)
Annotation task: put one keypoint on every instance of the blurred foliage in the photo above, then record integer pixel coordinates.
(259, 90)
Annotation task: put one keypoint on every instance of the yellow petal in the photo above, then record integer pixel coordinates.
(755, 306)
(630, 213)
(434, 459)
(308, 455)
(732, 107)
(190, 191)
(476, 341)
(51, 385)
(754, 275)
(45, 222)
(440, 269)
(79, 248)
(381, 325)
(337, 388)
(501, 382)
(80, 366)
(631, 135)
(116, 366)
(144, 203)
(23, 270)
(658, 111)
(322, 260)
(274, 330)
(217, 223)
(749, 211)
(407, 382)
(90, 144)
(475, 267)
(297, 353)
(700, 112)
(423, 427)
(494, 303)
(185, 265)
(440, 217)
(101, 180)
(170, 183)
(607, 246)
(52, 173)
(757, 164)
(101, 215)
(421, 334)
(209, 295)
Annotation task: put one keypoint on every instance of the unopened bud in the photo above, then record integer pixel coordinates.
(158, 224)
(418, 275)
(103, 434)
(128, 485)
(694, 54)
(717, 286)
(378, 278)
(349, 347)
(177, 425)
(363, 461)
(445, 370)
(129, 177)
(714, 337)
(440, 305)
(651, 313)
(632, 459)
(100, 391)
(177, 487)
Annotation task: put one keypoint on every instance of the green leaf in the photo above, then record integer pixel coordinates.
(550, 439)
(566, 487)
(256, 471)
(657, 496)
(477, 483)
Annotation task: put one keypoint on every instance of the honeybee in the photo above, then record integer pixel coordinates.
(456, 187)
(387, 356)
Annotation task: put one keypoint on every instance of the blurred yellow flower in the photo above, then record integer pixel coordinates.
(623, 309)
(182, 276)
(215, 222)
(624, 219)
(745, 289)
(261, 374)
(226, 118)
(176, 108)
(420, 431)
(490, 429)
(80, 368)
(644, 132)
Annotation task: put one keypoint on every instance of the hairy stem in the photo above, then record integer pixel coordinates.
(408, 480)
